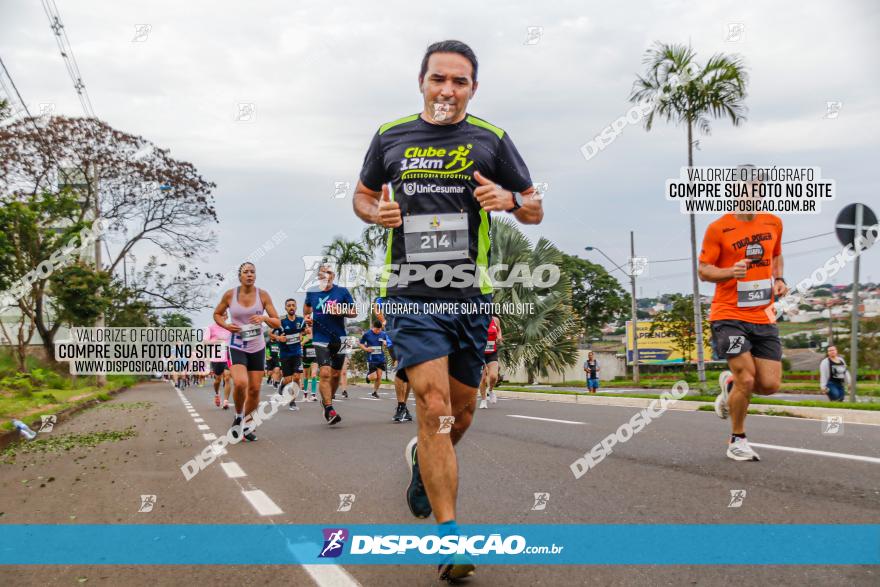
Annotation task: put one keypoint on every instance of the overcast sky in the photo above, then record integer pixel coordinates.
(322, 77)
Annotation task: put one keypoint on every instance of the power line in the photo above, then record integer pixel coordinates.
(806, 238)
(23, 105)
(66, 50)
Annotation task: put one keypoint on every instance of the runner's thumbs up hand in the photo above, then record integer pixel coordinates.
(491, 196)
(388, 214)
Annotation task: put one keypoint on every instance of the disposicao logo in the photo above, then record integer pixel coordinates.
(334, 542)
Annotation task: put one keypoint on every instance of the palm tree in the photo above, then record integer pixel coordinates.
(545, 339)
(351, 258)
(374, 238)
(679, 90)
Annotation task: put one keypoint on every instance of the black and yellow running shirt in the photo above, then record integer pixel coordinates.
(442, 248)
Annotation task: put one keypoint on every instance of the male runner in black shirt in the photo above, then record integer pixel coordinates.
(433, 179)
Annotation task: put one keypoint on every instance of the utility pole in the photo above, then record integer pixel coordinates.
(100, 378)
(854, 328)
(634, 308)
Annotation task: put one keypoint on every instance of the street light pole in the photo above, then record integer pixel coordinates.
(634, 309)
(633, 317)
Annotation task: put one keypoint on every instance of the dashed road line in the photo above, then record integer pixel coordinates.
(233, 470)
(262, 502)
(819, 453)
(545, 419)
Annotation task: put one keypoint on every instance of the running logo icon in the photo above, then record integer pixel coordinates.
(737, 497)
(446, 423)
(736, 345)
(832, 425)
(541, 500)
(47, 423)
(341, 189)
(334, 541)
(346, 500)
(147, 503)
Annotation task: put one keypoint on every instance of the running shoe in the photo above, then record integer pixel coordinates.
(216, 400)
(226, 404)
(725, 382)
(292, 406)
(250, 437)
(331, 415)
(416, 496)
(398, 414)
(235, 431)
(457, 567)
(314, 398)
(344, 394)
(483, 405)
(407, 417)
(739, 450)
(492, 397)
(375, 395)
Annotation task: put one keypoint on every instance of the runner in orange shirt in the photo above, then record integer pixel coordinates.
(742, 256)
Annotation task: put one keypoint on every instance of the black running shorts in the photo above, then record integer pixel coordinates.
(290, 365)
(255, 361)
(731, 338)
(328, 355)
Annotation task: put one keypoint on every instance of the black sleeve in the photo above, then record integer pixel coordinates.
(510, 169)
(373, 170)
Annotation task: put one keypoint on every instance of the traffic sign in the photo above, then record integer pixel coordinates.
(852, 219)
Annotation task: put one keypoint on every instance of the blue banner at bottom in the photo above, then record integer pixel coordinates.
(361, 544)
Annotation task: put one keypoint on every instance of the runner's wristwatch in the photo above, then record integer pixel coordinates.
(517, 202)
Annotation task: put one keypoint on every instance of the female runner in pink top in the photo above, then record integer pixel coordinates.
(247, 306)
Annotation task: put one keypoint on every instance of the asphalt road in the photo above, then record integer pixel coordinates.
(674, 471)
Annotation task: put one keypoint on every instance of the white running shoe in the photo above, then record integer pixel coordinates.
(739, 450)
(483, 405)
(725, 381)
(492, 397)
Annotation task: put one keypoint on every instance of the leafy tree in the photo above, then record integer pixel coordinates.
(678, 323)
(78, 294)
(176, 320)
(147, 197)
(869, 344)
(40, 233)
(596, 297)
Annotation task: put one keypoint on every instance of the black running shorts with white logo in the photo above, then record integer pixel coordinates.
(732, 338)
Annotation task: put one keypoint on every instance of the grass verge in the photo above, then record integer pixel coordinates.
(875, 407)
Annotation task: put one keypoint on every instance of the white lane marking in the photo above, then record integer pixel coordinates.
(373, 399)
(204, 427)
(819, 453)
(232, 470)
(209, 436)
(262, 503)
(198, 420)
(543, 419)
(330, 575)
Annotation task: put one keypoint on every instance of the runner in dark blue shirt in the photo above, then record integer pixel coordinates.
(373, 342)
(292, 327)
(325, 311)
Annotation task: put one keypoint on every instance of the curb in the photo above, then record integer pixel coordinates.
(13, 436)
(848, 416)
